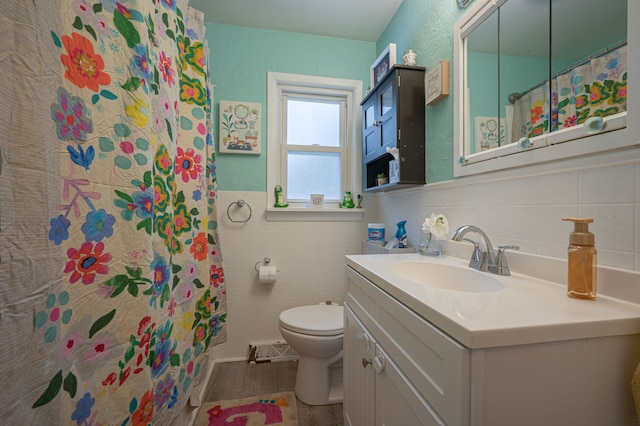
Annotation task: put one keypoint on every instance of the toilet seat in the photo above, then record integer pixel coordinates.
(316, 320)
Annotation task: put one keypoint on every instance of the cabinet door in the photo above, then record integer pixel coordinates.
(370, 130)
(386, 97)
(397, 401)
(358, 376)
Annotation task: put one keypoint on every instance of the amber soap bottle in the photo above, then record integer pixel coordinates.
(582, 274)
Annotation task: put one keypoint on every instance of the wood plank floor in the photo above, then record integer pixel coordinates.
(231, 380)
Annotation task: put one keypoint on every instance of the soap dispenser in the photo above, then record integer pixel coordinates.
(582, 274)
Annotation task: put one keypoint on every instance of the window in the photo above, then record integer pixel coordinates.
(313, 138)
(315, 146)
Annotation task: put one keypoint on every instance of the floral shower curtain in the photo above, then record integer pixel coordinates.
(112, 286)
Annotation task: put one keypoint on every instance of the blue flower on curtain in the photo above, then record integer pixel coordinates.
(98, 225)
(59, 229)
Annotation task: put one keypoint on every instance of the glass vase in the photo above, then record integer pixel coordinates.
(430, 246)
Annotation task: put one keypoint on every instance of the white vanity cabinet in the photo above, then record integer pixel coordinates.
(399, 370)
(414, 373)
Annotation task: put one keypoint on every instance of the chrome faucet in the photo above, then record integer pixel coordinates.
(484, 259)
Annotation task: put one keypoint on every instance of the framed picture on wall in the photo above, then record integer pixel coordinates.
(489, 132)
(240, 127)
(383, 64)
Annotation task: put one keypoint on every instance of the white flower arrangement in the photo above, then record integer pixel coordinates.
(436, 226)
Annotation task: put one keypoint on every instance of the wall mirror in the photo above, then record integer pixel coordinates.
(549, 76)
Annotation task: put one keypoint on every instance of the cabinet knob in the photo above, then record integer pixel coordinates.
(365, 362)
(377, 123)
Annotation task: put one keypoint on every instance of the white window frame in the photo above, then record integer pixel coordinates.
(279, 86)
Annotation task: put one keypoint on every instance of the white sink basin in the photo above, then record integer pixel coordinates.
(446, 276)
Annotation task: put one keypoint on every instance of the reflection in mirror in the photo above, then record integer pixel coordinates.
(524, 63)
(482, 87)
(525, 78)
(589, 61)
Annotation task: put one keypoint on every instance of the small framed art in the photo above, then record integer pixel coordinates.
(489, 132)
(240, 127)
(317, 201)
(383, 64)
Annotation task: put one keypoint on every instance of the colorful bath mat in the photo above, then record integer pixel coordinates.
(275, 409)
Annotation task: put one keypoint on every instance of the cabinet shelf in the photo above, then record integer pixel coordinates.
(393, 116)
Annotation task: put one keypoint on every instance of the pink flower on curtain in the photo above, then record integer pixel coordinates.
(570, 121)
(69, 345)
(188, 164)
(166, 69)
(83, 9)
(99, 349)
(216, 276)
(87, 262)
(71, 117)
(85, 68)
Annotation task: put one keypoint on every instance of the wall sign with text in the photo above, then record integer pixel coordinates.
(437, 83)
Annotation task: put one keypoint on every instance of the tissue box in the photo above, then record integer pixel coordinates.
(394, 171)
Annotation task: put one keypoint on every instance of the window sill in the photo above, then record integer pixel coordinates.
(307, 214)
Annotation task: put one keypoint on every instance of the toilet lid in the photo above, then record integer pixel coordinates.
(317, 320)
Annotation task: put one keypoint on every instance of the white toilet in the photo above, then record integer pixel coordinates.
(316, 333)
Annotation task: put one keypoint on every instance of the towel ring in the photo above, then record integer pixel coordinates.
(240, 203)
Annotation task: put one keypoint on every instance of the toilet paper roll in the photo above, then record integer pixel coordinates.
(267, 274)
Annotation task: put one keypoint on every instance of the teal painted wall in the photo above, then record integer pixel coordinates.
(240, 60)
(426, 26)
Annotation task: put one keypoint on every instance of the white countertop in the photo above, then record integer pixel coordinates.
(527, 310)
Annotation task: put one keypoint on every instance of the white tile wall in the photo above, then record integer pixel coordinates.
(309, 258)
(525, 207)
(513, 207)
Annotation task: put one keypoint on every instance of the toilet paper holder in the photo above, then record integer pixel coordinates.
(265, 261)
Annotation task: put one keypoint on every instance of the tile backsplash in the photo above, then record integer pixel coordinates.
(526, 207)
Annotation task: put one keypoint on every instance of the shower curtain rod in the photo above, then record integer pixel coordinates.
(513, 97)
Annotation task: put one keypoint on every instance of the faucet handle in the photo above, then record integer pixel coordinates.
(502, 267)
(476, 256)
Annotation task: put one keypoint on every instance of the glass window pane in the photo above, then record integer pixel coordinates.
(313, 173)
(386, 100)
(313, 122)
(369, 117)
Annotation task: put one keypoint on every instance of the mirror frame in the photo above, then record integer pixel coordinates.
(621, 130)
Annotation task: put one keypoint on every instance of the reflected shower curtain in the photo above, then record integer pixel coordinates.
(597, 88)
(531, 114)
(571, 101)
(112, 286)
